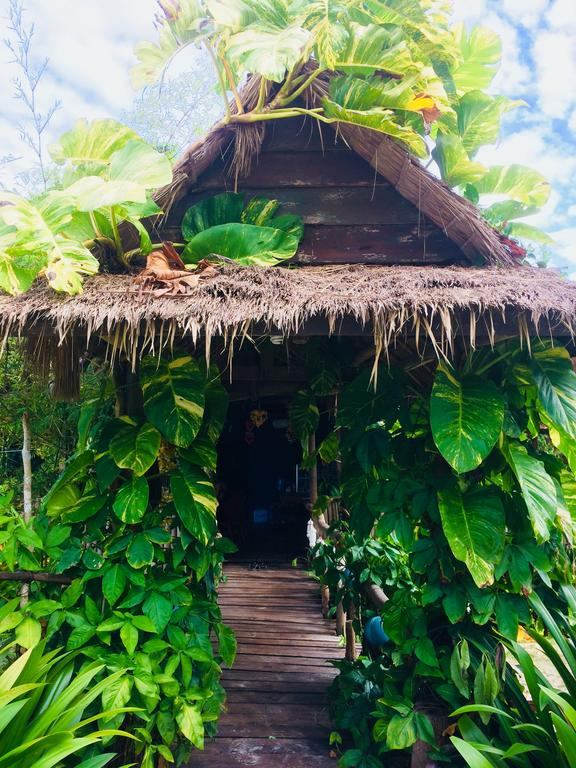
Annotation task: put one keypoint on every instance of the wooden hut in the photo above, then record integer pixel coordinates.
(392, 259)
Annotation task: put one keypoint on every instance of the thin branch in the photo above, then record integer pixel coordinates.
(27, 576)
(233, 87)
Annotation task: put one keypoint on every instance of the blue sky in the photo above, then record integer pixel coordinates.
(90, 42)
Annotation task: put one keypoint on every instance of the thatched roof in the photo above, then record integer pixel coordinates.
(457, 217)
(432, 304)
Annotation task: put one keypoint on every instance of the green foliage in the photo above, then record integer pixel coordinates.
(466, 417)
(401, 69)
(44, 700)
(251, 234)
(530, 724)
(132, 521)
(456, 487)
(108, 174)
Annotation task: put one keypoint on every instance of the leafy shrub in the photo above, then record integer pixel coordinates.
(44, 701)
(457, 488)
(531, 725)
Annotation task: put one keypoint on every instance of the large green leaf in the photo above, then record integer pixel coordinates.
(140, 552)
(224, 208)
(94, 192)
(523, 231)
(18, 267)
(372, 48)
(195, 502)
(361, 94)
(466, 416)
(245, 244)
(189, 719)
(40, 226)
(114, 583)
(455, 165)
(479, 117)
(174, 397)
(381, 120)
(266, 50)
(135, 447)
(517, 182)
(92, 144)
(140, 163)
(480, 52)
(176, 32)
(250, 234)
(132, 500)
(538, 489)
(556, 382)
(474, 524)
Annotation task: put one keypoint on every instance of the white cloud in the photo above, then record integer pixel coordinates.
(566, 247)
(525, 12)
(555, 57)
(466, 10)
(514, 77)
(562, 15)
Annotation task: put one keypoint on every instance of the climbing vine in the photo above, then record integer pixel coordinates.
(130, 526)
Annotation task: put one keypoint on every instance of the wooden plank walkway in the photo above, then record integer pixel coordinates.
(276, 690)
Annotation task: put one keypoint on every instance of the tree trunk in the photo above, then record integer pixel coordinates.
(26, 489)
(27, 467)
(420, 751)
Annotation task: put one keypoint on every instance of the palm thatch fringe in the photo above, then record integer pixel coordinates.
(430, 305)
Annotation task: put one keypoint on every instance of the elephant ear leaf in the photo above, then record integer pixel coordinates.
(245, 244)
(211, 212)
(247, 235)
(466, 416)
(474, 524)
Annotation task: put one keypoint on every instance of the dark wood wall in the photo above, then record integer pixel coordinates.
(352, 215)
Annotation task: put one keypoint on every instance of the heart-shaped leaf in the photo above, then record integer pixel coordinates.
(135, 447)
(140, 551)
(132, 500)
(195, 502)
(174, 397)
(474, 524)
(466, 416)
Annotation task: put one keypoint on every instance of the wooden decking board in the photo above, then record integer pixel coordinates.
(276, 716)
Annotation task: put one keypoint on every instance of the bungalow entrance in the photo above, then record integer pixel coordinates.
(262, 487)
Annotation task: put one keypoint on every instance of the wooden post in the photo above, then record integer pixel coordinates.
(350, 634)
(324, 591)
(340, 619)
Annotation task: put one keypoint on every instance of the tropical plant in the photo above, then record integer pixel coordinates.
(399, 68)
(530, 724)
(469, 472)
(130, 524)
(108, 173)
(48, 711)
(250, 234)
